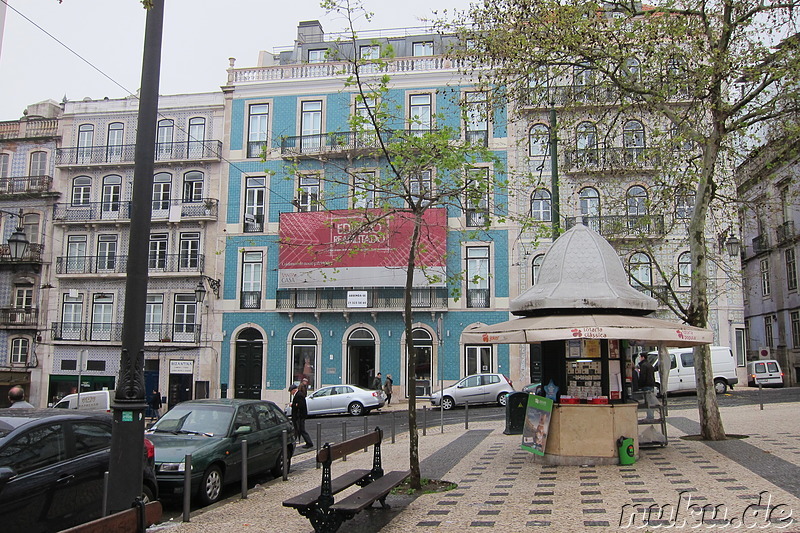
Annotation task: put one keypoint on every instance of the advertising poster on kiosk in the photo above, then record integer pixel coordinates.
(537, 424)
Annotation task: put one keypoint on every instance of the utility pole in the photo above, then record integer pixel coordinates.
(128, 407)
(555, 203)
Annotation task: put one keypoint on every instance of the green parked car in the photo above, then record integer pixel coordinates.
(211, 431)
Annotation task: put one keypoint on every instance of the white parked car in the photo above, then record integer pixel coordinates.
(343, 399)
(480, 388)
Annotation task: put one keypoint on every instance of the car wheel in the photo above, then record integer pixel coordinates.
(720, 386)
(448, 403)
(147, 494)
(211, 485)
(502, 399)
(277, 470)
(355, 409)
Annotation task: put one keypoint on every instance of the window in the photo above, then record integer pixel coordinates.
(304, 357)
(794, 318)
(19, 351)
(81, 191)
(258, 125)
(540, 205)
(680, 140)
(478, 359)
(584, 80)
(768, 333)
(536, 266)
(102, 309)
(685, 270)
(197, 134)
(684, 204)
(114, 140)
(193, 187)
(30, 225)
(478, 276)
(166, 128)
(162, 188)
(153, 317)
(76, 254)
(190, 251)
(112, 191)
(641, 273)
(364, 193)
(539, 147)
(71, 315)
(23, 298)
(421, 186)
(791, 269)
(90, 436)
(477, 201)
(636, 199)
(633, 141)
(477, 118)
(369, 52)
(423, 347)
(251, 279)
(764, 267)
(38, 164)
(85, 141)
(419, 112)
(185, 318)
(157, 256)
(424, 48)
(254, 201)
(317, 56)
(310, 126)
(106, 252)
(586, 142)
(590, 208)
(41, 447)
(5, 165)
(308, 194)
(630, 70)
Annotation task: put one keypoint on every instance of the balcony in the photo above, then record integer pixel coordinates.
(25, 185)
(785, 232)
(123, 154)
(341, 143)
(29, 128)
(174, 210)
(19, 317)
(622, 226)
(385, 299)
(478, 298)
(760, 243)
(611, 158)
(32, 255)
(564, 95)
(253, 223)
(250, 300)
(110, 264)
(112, 332)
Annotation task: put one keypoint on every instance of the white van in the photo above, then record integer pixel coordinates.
(96, 401)
(766, 372)
(682, 376)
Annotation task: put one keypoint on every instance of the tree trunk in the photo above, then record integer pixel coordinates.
(411, 358)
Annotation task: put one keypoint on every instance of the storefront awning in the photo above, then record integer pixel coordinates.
(588, 326)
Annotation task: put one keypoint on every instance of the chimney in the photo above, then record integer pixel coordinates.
(310, 31)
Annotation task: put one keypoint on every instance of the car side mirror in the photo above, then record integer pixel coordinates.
(241, 430)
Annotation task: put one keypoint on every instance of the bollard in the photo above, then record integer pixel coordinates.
(466, 415)
(424, 420)
(319, 440)
(285, 454)
(366, 430)
(441, 417)
(187, 487)
(344, 436)
(393, 426)
(105, 494)
(244, 469)
(760, 398)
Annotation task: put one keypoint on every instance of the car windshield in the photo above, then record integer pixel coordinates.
(207, 420)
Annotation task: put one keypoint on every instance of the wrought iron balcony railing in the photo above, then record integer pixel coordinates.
(621, 226)
(25, 184)
(390, 299)
(171, 209)
(761, 243)
(478, 298)
(112, 332)
(33, 254)
(342, 142)
(596, 93)
(250, 300)
(19, 317)
(109, 264)
(122, 154)
(611, 158)
(785, 231)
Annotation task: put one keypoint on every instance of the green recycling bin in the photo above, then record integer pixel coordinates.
(627, 453)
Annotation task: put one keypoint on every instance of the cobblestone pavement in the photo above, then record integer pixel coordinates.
(753, 483)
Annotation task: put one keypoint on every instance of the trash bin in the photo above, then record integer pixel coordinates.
(627, 453)
(516, 409)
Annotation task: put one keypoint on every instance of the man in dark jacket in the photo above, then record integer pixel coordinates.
(647, 383)
(299, 414)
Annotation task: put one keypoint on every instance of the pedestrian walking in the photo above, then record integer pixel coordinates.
(387, 388)
(156, 404)
(299, 414)
(376, 383)
(647, 384)
(16, 395)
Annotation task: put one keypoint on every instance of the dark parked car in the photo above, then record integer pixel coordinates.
(52, 466)
(212, 432)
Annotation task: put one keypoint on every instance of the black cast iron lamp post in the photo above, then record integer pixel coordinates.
(18, 242)
(200, 291)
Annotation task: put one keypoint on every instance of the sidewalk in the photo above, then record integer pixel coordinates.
(501, 486)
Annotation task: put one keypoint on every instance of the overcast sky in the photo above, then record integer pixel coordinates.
(199, 37)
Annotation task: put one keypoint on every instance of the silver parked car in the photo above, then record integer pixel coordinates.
(344, 399)
(480, 388)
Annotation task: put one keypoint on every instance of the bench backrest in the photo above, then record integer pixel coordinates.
(331, 452)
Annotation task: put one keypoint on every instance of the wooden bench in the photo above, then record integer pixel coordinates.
(135, 520)
(318, 505)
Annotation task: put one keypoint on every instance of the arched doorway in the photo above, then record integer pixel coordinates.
(361, 358)
(304, 357)
(423, 346)
(249, 362)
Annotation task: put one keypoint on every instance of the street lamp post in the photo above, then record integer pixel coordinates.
(18, 242)
(200, 291)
